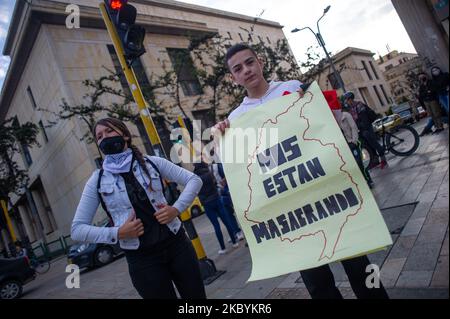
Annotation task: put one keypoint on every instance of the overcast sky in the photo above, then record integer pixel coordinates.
(366, 24)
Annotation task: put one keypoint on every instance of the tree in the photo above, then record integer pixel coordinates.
(13, 137)
(210, 52)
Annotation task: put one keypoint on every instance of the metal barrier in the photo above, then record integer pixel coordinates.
(52, 249)
(55, 248)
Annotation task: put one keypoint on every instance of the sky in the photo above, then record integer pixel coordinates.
(365, 24)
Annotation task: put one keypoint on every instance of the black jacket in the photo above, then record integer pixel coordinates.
(440, 83)
(365, 116)
(209, 189)
(428, 91)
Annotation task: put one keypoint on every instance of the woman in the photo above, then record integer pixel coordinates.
(149, 231)
(214, 209)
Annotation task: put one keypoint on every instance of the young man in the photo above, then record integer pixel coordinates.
(247, 70)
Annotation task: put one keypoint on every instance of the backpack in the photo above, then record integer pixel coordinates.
(102, 202)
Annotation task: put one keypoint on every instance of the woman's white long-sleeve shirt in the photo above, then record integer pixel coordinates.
(114, 194)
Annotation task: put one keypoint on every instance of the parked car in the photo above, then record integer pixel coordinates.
(388, 122)
(196, 208)
(405, 112)
(86, 255)
(421, 112)
(14, 273)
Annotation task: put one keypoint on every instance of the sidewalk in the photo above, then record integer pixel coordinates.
(413, 196)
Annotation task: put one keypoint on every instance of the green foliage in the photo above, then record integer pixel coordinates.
(12, 137)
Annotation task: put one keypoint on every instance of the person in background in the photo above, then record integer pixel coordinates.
(350, 131)
(428, 93)
(214, 209)
(440, 81)
(225, 197)
(364, 116)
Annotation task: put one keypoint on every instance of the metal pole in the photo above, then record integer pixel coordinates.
(207, 267)
(330, 61)
(8, 221)
(134, 86)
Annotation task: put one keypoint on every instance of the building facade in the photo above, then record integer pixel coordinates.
(400, 71)
(48, 64)
(427, 25)
(360, 74)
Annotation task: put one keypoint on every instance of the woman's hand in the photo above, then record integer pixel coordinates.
(166, 214)
(132, 228)
(222, 126)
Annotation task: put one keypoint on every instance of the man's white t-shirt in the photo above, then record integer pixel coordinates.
(276, 89)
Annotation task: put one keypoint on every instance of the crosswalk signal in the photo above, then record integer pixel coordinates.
(123, 17)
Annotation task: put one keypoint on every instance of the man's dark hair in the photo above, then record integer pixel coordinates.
(236, 49)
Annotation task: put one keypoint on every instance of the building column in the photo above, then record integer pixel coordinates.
(42, 212)
(6, 240)
(37, 222)
(27, 223)
(48, 209)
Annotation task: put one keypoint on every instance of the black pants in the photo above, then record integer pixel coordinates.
(372, 139)
(154, 271)
(357, 154)
(321, 285)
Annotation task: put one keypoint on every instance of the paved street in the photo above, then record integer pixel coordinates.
(413, 195)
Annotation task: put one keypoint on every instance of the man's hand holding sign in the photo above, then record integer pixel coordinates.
(300, 198)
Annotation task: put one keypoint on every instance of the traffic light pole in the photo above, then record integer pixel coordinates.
(134, 86)
(8, 220)
(207, 267)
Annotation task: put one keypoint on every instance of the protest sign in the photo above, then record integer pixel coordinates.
(298, 193)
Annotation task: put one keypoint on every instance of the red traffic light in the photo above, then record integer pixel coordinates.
(117, 4)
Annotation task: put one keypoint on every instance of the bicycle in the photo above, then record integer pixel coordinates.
(401, 140)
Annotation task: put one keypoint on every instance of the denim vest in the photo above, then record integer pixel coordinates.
(114, 193)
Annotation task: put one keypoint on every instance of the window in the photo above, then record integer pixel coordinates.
(367, 70)
(139, 71)
(388, 67)
(268, 40)
(184, 68)
(250, 38)
(334, 81)
(41, 125)
(260, 39)
(378, 95)
(229, 36)
(206, 117)
(25, 151)
(361, 92)
(374, 70)
(384, 93)
(31, 96)
(240, 36)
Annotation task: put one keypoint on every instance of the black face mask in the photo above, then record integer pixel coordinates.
(112, 145)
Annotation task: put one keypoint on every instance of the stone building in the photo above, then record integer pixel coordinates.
(396, 67)
(427, 24)
(48, 64)
(360, 74)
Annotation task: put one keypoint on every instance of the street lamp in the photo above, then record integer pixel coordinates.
(319, 39)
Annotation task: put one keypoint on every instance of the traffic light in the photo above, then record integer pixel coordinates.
(123, 17)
